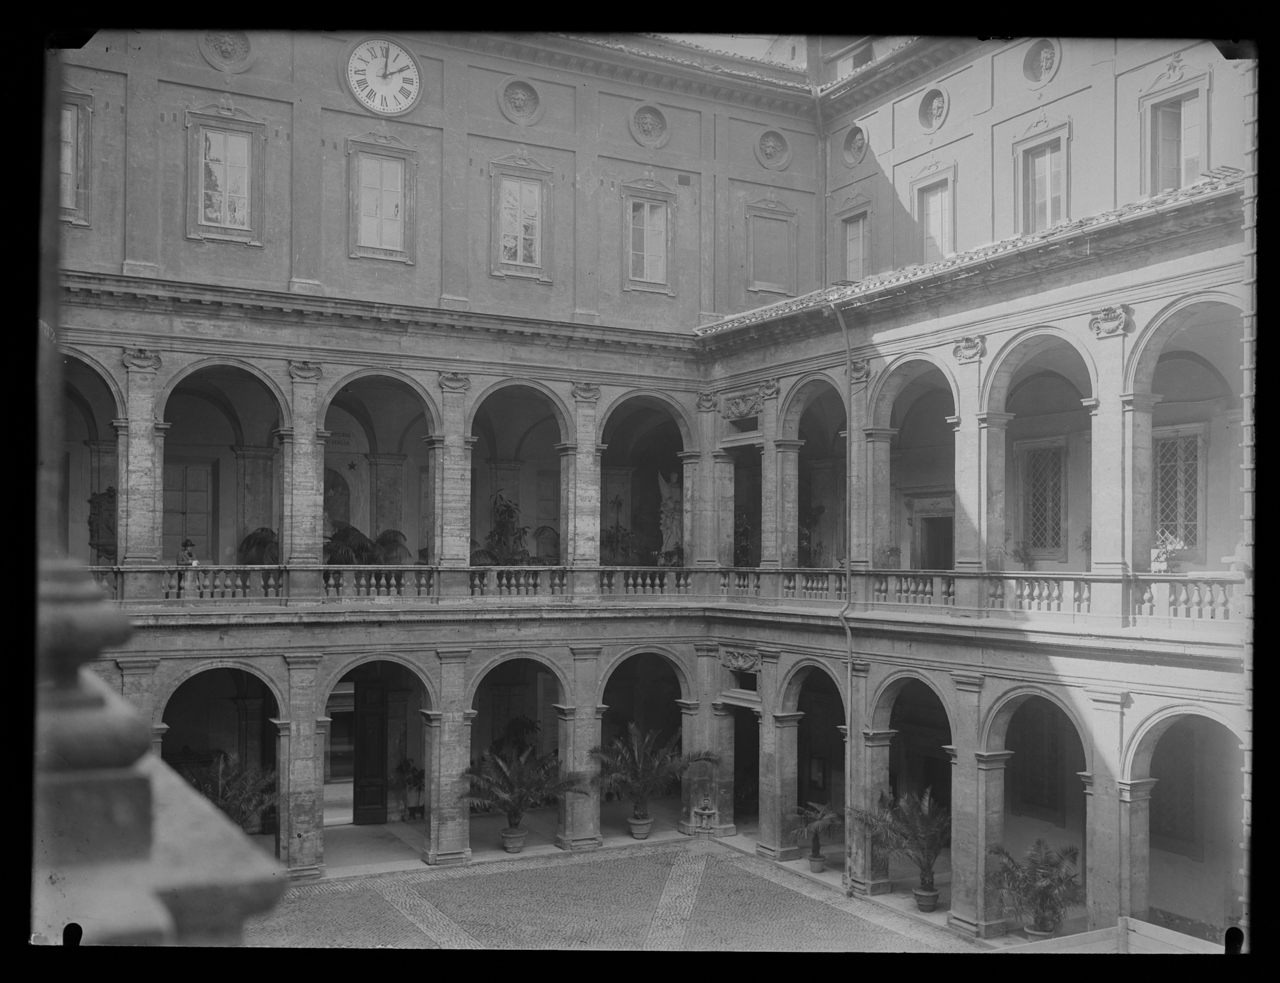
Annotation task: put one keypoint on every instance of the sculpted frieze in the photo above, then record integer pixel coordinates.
(305, 371)
(740, 661)
(454, 382)
(586, 391)
(968, 349)
(1109, 322)
(141, 358)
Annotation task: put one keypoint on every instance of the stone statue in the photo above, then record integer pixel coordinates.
(671, 516)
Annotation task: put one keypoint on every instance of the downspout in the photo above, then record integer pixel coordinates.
(848, 587)
(824, 151)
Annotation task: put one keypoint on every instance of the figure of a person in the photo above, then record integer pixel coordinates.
(671, 517)
(186, 558)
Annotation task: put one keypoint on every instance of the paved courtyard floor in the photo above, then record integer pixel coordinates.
(659, 895)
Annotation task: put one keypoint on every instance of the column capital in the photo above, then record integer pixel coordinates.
(879, 434)
(1086, 779)
(878, 738)
(161, 427)
(120, 426)
(953, 421)
(721, 709)
(137, 666)
(600, 449)
(860, 668)
(992, 760)
(953, 752)
(600, 709)
(283, 434)
(968, 682)
(688, 706)
(1092, 404)
(586, 653)
(1137, 790)
(995, 421)
(323, 435)
(1139, 402)
(770, 655)
(722, 457)
(566, 450)
(564, 712)
(434, 441)
(688, 456)
(469, 441)
(844, 732)
(285, 727)
(786, 719)
(453, 655)
(323, 722)
(706, 650)
(788, 446)
(303, 660)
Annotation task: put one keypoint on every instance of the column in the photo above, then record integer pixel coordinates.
(1135, 855)
(1109, 531)
(967, 848)
(787, 453)
(872, 873)
(879, 498)
(1139, 465)
(579, 820)
(1103, 838)
(455, 166)
(386, 480)
(778, 799)
(568, 504)
(121, 427)
(137, 685)
(723, 464)
(304, 492)
(770, 484)
(696, 782)
(254, 466)
(307, 184)
(141, 175)
(993, 427)
(581, 540)
(690, 493)
(722, 727)
(857, 857)
(324, 727)
(431, 532)
(454, 499)
(301, 828)
(991, 771)
(705, 496)
(138, 524)
(448, 817)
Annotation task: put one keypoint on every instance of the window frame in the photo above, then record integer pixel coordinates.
(521, 168)
(1200, 431)
(237, 121)
(771, 208)
(1022, 450)
(651, 192)
(1200, 85)
(863, 216)
(82, 166)
(931, 176)
(386, 147)
(1046, 133)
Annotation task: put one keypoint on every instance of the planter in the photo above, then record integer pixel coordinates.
(417, 812)
(926, 900)
(513, 839)
(817, 864)
(640, 827)
(1035, 936)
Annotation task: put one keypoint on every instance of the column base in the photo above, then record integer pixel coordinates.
(300, 286)
(446, 858)
(586, 317)
(135, 267)
(452, 303)
(992, 929)
(781, 854)
(964, 926)
(579, 843)
(304, 872)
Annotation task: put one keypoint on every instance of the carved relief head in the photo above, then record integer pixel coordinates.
(859, 143)
(648, 123)
(521, 98)
(1047, 58)
(230, 46)
(938, 108)
(771, 145)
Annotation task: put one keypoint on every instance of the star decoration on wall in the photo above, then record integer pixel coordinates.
(351, 465)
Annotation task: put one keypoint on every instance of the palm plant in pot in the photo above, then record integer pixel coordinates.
(810, 824)
(1039, 889)
(515, 779)
(915, 827)
(636, 767)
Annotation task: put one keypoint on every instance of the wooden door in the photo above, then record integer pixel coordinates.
(188, 508)
(370, 789)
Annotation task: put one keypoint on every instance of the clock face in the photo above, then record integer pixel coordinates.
(384, 77)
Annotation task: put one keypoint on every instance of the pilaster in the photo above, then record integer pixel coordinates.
(579, 815)
(448, 817)
(1135, 855)
(455, 487)
(879, 509)
(138, 525)
(581, 540)
(690, 490)
(705, 497)
(770, 490)
(301, 836)
(1103, 834)
(778, 798)
(137, 684)
(304, 492)
(967, 847)
(723, 463)
(787, 453)
(141, 175)
(992, 429)
(254, 506)
(1139, 486)
(307, 184)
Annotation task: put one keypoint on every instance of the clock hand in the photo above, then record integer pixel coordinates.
(398, 71)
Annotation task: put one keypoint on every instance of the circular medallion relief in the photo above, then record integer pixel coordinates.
(772, 150)
(520, 101)
(649, 126)
(933, 108)
(1041, 62)
(227, 51)
(855, 146)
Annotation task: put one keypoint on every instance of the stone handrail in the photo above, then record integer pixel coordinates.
(358, 581)
(1175, 599)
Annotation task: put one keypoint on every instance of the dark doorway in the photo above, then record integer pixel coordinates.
(936, 539)
(746, 768)
(370, 793)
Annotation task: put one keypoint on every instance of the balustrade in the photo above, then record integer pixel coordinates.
(365, 582)
(1184, 598)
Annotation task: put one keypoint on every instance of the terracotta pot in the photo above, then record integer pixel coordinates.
(513, 839)
(926, 900)
(640, 827)
(1035, 936)
(817, 864)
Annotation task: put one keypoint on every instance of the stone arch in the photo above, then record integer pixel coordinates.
(72, 396)
(325, 689)
(678, 666)
(562, 679)
(793, 682)
(890, 382)
(564, 417)
(109, 380)
(1137, 758)
(678, 413)
(995, 387)
(892, 685)
(1150, 340)
(995, 725)
(164, 695)
(223, 361)
(430, 410)
(798, 399)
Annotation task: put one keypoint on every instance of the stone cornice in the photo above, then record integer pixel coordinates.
(918, 58)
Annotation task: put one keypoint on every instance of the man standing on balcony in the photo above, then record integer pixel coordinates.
(186, 558)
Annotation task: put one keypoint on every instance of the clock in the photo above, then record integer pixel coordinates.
(384, 77)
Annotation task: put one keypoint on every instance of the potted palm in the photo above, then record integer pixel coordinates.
(514, 780)
(245, 793)
(634, 766)
(916, 827)
(1038, 889)
(810, 824)
(410, 778)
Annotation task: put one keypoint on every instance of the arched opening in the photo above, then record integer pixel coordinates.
(1193, 857)
(87, 513)
(642, 690)
(821, 538)
(1048, 467)
(641, 486)
(820, 756)
(377, 489)
(515, 706)
(221, 469)
(516, 481)
(220, 738)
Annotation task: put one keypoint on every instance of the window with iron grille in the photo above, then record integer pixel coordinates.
(1177, 490)
(1043, 499)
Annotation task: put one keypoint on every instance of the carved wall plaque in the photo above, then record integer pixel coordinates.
(934, 108)
(769, 389)
(454, 382)
(141, 358)
(649, 127)
(586, 391)
(740, 661)
(520, 101)
(855, 146)
(861, 370)
(707, 401)
(1110, 322)
(772, 150)
(1041, 62)
(227, 51)
(967, 349)
(747, 404)
(306, 371)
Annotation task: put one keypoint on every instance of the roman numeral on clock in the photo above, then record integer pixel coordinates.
(384, 101)
(363, 83)
(405, 93)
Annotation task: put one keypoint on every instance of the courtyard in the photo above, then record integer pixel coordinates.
(644, 897)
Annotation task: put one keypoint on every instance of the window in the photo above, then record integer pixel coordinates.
(649, 210)
(1042, 468)
(227, 170)
(857, 255)
(772, 230)
(1042, 187)
(1178, 487)
(74, 157)
(521, 218)
(649, 241)
(1174, 125)
(383, 176)
(935, 222)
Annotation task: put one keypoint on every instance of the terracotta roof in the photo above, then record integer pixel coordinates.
(800, 84)
(861, 69)
(672, 39)
(895, 278)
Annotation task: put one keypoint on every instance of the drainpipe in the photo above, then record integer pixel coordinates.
(848, 580)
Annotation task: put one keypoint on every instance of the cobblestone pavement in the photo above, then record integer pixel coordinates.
(649, 897)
